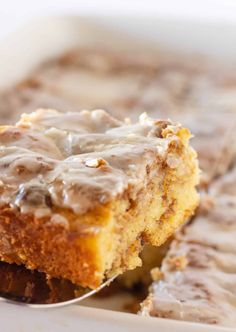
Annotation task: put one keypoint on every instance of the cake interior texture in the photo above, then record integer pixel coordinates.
(82, 192)
(138, 280)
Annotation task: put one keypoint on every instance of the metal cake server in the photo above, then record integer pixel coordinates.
(33, 289)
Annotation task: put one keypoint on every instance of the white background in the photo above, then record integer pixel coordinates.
(14, 13)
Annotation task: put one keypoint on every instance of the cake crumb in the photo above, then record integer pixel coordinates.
(157, 274)
(178, 263)
(95, 162)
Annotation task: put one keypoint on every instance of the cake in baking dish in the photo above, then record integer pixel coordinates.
(201, 96)
(82, 192)
(197, 280)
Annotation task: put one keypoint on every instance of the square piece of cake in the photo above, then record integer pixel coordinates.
(82, 192)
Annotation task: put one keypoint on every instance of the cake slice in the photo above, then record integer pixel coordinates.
(197, 280)
(82, 192)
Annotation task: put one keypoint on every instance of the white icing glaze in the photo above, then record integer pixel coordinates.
(78, 160)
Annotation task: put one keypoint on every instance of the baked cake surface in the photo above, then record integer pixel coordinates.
(197, 279)
(199, 95)
(81, 192)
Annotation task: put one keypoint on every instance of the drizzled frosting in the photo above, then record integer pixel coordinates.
(78, 160)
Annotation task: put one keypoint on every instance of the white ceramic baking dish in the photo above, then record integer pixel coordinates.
(51, 36)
